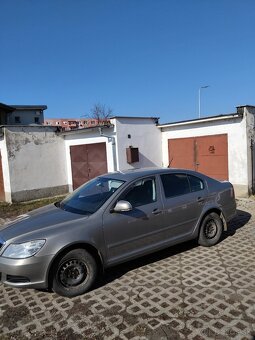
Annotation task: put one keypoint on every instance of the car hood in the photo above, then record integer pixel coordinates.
(38, 220)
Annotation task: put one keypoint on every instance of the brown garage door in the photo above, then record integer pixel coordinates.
(206, 154)
(87, 161)
(2, 195)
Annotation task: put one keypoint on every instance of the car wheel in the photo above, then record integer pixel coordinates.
(210, 230)
(74, 273)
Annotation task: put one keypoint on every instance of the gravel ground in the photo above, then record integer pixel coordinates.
(184, 292)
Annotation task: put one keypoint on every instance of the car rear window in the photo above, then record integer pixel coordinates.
(175, 184)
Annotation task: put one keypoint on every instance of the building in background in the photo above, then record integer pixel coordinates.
(5, 111)
(21, 114)
(67, 124)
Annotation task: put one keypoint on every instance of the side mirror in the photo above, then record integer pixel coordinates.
(122, 206)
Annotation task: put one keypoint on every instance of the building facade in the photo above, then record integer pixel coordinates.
(21, 114)
(220, 147)
(32, 163)
(67, 124)
(40, 161)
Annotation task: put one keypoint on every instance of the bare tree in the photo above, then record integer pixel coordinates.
(100, 113)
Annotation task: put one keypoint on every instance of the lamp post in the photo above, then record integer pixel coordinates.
(199, 99)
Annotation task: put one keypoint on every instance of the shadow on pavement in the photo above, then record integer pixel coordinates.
(113, 273)
(241, 218)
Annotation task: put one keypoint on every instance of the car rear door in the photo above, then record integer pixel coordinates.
(184, 197)
(129, 234)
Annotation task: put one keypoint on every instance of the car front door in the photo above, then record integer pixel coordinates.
(132, 233)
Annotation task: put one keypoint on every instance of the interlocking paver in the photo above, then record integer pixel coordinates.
(184, 292)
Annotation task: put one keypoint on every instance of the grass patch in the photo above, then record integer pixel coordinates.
(8, 210)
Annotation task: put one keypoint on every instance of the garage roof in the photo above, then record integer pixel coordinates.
(202, 120)
(86, 129)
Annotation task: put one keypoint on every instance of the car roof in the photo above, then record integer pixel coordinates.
(131, 174)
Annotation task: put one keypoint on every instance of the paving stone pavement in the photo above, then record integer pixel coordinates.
(184, 292)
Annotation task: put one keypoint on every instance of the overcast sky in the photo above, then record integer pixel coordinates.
(139, 57)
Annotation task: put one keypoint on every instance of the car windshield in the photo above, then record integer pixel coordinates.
(88, 198)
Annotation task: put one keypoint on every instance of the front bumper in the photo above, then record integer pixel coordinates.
(31, 272)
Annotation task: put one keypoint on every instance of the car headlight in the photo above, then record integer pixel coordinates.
(23, 250)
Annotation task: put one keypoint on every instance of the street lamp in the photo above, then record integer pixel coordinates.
(199, 99)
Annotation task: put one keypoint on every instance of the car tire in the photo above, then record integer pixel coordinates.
(74, 273)
(210, 230)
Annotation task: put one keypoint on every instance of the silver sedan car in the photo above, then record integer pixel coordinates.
(109, 220)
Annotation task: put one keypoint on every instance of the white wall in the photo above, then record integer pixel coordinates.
(5, 167)
(88, 137)
(237, 144)
(36, 158)
(249, 112)
(144, 135)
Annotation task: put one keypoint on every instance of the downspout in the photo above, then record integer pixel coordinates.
(252, 168)
(111, 139)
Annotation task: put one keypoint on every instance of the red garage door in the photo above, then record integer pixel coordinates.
(87, 161)
(206, 154)
(2, 195)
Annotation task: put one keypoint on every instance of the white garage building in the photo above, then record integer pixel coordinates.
(39, 161)
(220, 146)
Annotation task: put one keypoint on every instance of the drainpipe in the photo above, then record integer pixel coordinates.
(112, 140)
(252, 168)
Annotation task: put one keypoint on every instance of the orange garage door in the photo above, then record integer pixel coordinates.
(206, 154)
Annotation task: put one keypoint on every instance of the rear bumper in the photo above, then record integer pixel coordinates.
(28, 273)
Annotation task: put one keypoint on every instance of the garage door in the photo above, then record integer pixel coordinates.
(206, 154)
(2, 195)
(87, 161)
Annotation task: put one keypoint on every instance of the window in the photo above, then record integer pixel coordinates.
(175, 184)
(141, 192)
(17, 119)
(196, 184)
(36, 120)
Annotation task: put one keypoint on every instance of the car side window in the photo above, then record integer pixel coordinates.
(175, 184)
(196, 184)
(141, 192)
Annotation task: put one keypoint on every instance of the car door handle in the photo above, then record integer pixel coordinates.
(156, 211)
(200, 199)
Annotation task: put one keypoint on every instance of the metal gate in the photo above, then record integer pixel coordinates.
(87, 162)
(206, 154)
(2, 194)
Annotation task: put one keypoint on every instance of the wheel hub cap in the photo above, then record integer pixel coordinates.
(211, 229)
(72, 273)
